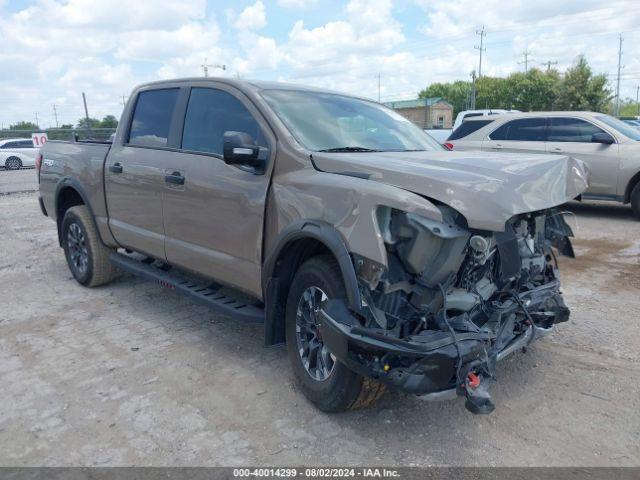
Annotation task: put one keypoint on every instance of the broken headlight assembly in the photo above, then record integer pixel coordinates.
(449, 303)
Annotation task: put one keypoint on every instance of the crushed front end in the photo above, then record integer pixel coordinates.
(451, 302)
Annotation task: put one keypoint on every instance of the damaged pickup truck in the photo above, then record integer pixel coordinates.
(377, 256)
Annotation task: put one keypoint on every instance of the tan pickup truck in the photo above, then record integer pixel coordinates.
(380, 258)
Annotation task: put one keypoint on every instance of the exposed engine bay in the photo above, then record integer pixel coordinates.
(451, 303)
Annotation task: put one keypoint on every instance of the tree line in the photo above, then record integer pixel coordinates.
(108, 121)
(578, 88)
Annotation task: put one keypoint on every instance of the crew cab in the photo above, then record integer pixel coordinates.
(378, 257)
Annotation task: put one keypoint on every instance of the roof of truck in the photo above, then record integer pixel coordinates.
(247, 84)
(259, 84)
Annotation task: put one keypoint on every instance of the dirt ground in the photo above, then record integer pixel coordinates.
(131, 374)
(22, 180)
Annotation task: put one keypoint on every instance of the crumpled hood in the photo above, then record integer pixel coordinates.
(487, 188)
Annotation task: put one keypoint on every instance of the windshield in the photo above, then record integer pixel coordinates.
(329, 122)
(627, 130)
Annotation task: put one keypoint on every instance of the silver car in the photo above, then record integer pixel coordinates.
(608, 146)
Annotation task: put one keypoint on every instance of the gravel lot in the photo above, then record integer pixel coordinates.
(131, 374)
(23, 180)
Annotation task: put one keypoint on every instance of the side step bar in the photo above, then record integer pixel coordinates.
(205, 294)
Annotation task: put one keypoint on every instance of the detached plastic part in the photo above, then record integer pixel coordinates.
(478, 401)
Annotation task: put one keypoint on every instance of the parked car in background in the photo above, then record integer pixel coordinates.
(608, 146)
(440, 135)
(376, 255)
(632, 122)
(17, 152)
(467, 114)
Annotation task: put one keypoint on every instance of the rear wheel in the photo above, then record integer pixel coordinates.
(635, 200)
(13, 163)
(87, 257)
(324, 380)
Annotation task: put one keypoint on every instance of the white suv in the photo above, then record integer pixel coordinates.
(609, 147)
(17, 152)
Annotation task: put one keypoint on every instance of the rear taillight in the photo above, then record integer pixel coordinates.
(38, 162)
(448, 146)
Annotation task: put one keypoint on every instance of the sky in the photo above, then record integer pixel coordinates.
(53, 50)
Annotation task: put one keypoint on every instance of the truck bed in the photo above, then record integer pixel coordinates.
(80, 164)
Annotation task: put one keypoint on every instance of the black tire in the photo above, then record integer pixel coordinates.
(342, 389)
(13, 163)
(87, 256)
(635, 200)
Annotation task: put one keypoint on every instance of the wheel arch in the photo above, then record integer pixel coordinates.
(635, 180)
(69, 193)
(295, 244)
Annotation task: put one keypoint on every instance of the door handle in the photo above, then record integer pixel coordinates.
(116, 168)
(497, 146)
(175, 178)
(556, 149)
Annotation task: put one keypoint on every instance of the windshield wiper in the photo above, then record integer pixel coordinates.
(348, 149)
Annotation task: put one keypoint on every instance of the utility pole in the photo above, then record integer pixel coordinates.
(205, 67)
(86, 111)
(124, 101)
(481, 48)
(37, 122)
(525, 55)
(617, 110)
(378, 87)
(55, 114)
(548, 63)
(473, 90)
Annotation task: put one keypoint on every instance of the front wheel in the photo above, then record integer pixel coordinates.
(323, 379)
(87, 256)
(13, 163)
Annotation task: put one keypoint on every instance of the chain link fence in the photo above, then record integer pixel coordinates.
(100, 134)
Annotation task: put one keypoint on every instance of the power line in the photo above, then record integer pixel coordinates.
(205, 67)
(480, 48)
(86, 111)
(525, 55)
(55, 114)
(548, 63)
(617, 110)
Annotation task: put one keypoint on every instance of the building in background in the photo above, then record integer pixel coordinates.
(427, 113)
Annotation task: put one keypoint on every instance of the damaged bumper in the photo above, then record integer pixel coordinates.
(437, 364)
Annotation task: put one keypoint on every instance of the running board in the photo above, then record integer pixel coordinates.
(206, 294)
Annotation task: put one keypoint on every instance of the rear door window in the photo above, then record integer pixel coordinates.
(467, 128)
(152, 117)
(566, 129)
(210, 113)
(523, 129)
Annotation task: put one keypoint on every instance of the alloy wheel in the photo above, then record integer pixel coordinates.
(316, 358)
(77, 247)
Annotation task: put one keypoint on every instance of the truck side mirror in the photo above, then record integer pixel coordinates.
(602, 137)
(240, 149)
